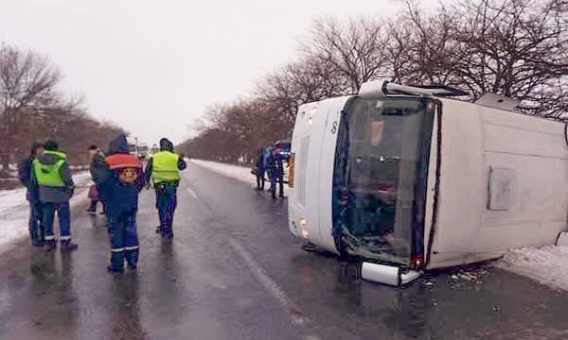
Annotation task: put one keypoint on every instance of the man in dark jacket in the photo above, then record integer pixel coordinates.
(122, 183)
(260, 170)
(98, 172)
(163, 170)
(32, 195)
(52, 175)
(276, 168)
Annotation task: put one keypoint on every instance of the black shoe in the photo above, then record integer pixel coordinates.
(132, 266)
(50, 245)
(38, 244)
(111, 269)
(68, 246)
(103, 212)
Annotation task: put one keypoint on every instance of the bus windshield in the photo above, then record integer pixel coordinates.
(380, 178)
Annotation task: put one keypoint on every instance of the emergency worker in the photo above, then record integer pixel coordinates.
(32, 195)
(52, 176)
(122, 183)
(163, 170)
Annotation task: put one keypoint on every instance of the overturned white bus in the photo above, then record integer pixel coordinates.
(407, 179)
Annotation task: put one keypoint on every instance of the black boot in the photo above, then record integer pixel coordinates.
(50, 244)
(68, 246)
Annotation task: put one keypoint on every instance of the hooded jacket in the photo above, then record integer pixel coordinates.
(97, 167)
(25, 174)
(55, 194)
(123, 180)
(167, 146)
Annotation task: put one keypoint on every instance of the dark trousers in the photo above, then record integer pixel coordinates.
(37, 232)
(123, 240)
(63, 213)
(166, 202)
(260, 180)
(276, 179)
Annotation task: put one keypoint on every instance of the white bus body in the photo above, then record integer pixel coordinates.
(401, 177)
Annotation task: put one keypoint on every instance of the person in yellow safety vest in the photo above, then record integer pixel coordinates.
(163, 171)
(52, 176)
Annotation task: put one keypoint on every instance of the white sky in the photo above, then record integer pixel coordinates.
(153, 66)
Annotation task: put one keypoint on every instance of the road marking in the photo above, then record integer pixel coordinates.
(296, 316)
(192, 193)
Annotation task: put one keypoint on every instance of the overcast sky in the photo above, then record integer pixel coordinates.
(154, 66)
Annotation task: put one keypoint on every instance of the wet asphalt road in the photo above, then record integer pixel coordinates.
(233, 271)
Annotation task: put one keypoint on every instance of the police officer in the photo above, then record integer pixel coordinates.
(121, 185)
(52, 175)
(163, 169)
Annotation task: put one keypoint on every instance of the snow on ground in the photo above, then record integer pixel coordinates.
(547, 265)
(14, 210)
(238, 172)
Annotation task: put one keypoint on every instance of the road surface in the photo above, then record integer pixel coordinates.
(233, 271)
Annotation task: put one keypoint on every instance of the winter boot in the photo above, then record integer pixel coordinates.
(111, 269)
(50, 244)
(68, 246)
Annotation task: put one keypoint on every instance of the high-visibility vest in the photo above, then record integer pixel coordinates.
(165, 167)
(50, 174)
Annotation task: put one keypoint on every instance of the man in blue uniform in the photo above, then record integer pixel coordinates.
(52, 175)
(163, 169)
(121, 185)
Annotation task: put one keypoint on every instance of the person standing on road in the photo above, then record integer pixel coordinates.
(98, 170)
(122, 183)
(52, 175)
(260, 169)
(276, 172)
(25, 174)
(163, 169)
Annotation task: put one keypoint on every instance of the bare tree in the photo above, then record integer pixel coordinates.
(27, 82)
(517, 48)
(354, 50)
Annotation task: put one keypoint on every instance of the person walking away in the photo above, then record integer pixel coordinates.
(163, 170)
(276, 173)
(260, 169)
(122, 183)
(52, 175)
(98, 170)
(37, 234)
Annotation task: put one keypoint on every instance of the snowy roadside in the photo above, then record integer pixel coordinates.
(547, 265)
(240, 173)
(14, 210)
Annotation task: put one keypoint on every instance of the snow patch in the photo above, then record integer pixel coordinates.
(234, 171)
(547, 265)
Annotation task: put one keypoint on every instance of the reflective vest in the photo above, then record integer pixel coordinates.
(127, 167)
(165, 167)
(49, 175)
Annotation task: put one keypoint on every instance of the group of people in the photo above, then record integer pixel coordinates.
(118, 176)
(270, 162)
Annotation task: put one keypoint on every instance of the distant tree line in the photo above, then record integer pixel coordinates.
(32, 108)
(517, 48)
